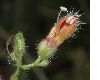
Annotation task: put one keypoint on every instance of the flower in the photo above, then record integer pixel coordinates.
(62, 30)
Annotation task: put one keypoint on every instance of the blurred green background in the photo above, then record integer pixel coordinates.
(35, 18)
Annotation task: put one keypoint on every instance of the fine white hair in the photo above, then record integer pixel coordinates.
(63, 8)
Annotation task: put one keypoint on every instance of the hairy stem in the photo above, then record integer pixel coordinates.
(34, 64)
(16, 75)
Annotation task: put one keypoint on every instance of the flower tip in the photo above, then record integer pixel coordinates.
(71, 19)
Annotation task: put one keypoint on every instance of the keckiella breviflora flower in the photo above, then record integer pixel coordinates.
(62, 30)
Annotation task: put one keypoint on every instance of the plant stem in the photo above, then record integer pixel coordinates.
(16, 75)
(34, 64)
(19, 70)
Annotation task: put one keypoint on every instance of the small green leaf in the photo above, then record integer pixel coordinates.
(18, 48)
